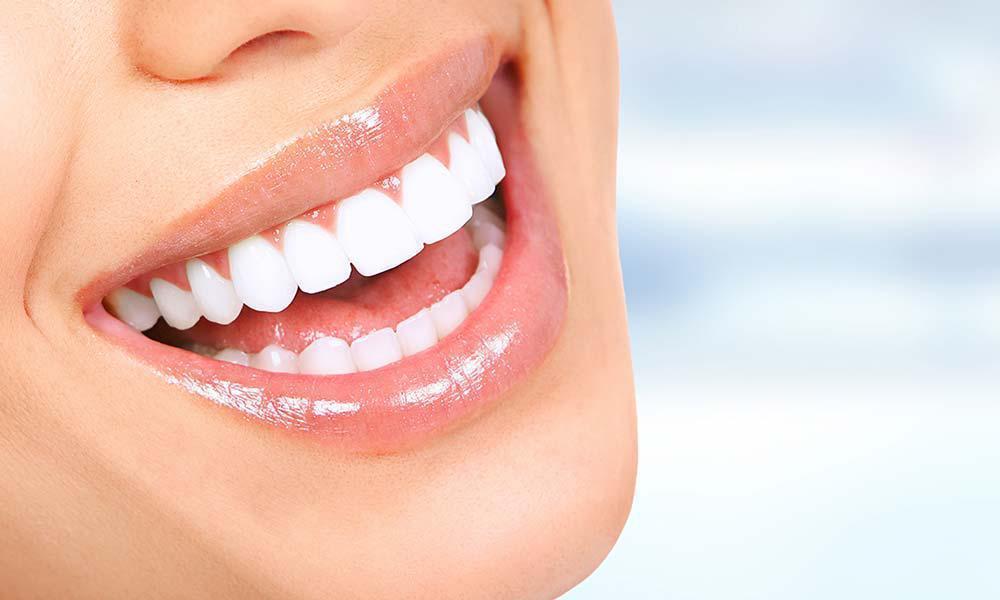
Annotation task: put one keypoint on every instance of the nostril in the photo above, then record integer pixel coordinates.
(279, 45)
(283, 40)
(199, 58)
(185, 40)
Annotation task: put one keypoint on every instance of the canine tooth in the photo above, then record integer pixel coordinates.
(435, 201)
(376, 234)
(488, 233)
(231, 355)
(177, 306)
(275, 359)
(260, 275)
(377, 349)
(327, 356)
(485, 142)
(215, 295)
(468, 167)
(314, 256)
(448, 313)
(137, 310)
(416, 333)
(476, 289)
(490, 258)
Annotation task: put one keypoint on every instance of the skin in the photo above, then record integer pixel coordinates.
(118, 118)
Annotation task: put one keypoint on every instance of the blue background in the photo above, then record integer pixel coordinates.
(810, 235)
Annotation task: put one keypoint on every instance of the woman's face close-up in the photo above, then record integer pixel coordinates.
(310, 298)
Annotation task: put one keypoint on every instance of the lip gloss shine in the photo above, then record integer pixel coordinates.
(397, 405)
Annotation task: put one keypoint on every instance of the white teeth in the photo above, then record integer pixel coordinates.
(448, 313)
(468, 167)
(177, 306)
(236, 357)
(435, 201)
(488, 233)
(260, 275)
(327, 356)
(417, 333)
(333, 356)
(476, 289)
(275, 359)
(314, 256)
(377, 349)
(485, 143)
(215, 295)
(375, 233)
(490, 258)
(137, 310)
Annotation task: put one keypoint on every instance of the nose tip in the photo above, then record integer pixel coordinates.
(185, 40)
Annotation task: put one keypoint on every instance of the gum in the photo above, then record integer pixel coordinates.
(352, 309)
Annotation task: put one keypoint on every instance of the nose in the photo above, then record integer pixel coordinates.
(184, 40)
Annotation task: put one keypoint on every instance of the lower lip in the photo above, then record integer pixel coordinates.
(396, 406)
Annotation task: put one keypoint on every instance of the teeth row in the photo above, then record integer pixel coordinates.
(370, 230)
(334, 356)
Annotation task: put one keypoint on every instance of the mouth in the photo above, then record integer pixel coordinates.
(379, 279)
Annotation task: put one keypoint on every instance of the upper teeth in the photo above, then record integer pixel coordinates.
(371, 231)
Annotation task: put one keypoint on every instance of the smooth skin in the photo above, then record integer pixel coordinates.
(118, 117)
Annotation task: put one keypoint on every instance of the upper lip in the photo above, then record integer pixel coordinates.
(390, 407)
(327, 163)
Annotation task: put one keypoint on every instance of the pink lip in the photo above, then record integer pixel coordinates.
(330, 162)
(398, 405)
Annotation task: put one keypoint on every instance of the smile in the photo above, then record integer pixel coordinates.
(380, 278)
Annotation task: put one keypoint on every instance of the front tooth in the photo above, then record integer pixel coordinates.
(376, 234)
(448, 313)
(475, 290)
(315, 257)
(134, 308)
(483, 140)
(231, 355)
(417, 333)
(377, 349)
(177, 306)
(275, 359)
(260, 275)
(215, 295)
(435, 201)
(468, 168)
(327, 356)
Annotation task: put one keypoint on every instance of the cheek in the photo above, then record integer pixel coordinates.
(38, 129)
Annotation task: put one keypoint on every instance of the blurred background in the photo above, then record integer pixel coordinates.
(810, 235)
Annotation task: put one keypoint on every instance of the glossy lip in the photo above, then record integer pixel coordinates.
(395, 406)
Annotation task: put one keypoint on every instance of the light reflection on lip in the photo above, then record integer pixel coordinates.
(389, 408)
(326, 408)
(434, 389)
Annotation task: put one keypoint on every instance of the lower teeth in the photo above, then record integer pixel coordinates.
(334, 356)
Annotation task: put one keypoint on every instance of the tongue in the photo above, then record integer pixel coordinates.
(354, 308)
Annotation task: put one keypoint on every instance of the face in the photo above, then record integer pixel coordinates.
(310, 298)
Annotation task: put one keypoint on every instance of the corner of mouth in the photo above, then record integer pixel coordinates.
(386, 310)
